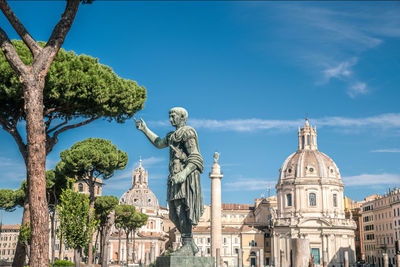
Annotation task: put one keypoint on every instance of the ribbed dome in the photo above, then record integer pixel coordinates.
(140, 195)
(140, 198)
(308, 161)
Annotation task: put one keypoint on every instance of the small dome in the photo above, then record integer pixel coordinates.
(308, 161)
(140, 195)
(140, 198)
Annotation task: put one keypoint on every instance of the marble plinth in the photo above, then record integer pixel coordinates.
(184, 261)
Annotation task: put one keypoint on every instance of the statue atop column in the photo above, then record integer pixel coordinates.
(184, 195)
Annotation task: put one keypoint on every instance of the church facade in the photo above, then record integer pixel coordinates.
(149, 240)
(310, 206)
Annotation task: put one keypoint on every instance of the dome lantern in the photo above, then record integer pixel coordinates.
(308, 137)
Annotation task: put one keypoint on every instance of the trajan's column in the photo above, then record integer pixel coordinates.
(216, 227)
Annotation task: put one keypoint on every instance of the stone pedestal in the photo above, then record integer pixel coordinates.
(184, 261)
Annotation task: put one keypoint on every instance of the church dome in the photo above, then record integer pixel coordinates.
(140, 195)
(308, 161)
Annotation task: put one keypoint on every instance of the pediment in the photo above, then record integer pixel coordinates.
(314, 222)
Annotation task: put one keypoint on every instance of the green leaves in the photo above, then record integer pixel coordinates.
(92, 157)
(127, 218)
(8, 199)
(75, 225)
(76, 86)
(25, 234)
(103, 206)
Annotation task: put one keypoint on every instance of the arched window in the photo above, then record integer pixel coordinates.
(80, 187)
(335, 200)
(289, 200)
(312, 199)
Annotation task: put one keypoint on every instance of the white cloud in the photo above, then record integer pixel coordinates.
(331, 38)
(383, 121)
(387, 150)
(147, 162)
(248, 184)
(358, 88)
(340, 71)
(371, 179)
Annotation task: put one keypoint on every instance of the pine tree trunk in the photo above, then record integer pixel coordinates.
(127, 247)
(53, 239)
(104, 250)
(134, 247)
(92, 199)
(100, 232)
(36, 170)
(119, 246)
(20, 252)
(77, 257)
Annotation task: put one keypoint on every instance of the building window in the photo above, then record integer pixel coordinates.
(289, 200)
(80, 187)
(208, 250)
(335, 200)
(312, 199)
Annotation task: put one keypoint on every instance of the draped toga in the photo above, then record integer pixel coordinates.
(190, 190)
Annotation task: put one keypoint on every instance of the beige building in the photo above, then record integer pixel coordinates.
(245, 229)
(353, 211)
(8, 242)
(380, 219)
(310, 205)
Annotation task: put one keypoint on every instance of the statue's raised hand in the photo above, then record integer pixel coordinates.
(140, 124)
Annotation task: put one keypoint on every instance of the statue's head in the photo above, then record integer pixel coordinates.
(178, 116)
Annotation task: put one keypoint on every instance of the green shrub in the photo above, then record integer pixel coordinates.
(63, 263)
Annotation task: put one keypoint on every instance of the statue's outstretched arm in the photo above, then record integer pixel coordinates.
(154, 139)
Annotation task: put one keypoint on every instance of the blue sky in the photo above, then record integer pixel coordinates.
(248, 73)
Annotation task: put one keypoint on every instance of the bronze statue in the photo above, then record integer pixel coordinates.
(184, 195)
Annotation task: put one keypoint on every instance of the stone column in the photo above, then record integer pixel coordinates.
(346, 258)
(147, 259)
(216, 226)
(217, 257)
(240, 258)
(398, 260)
(261, 264)
(300, 252)
(152, 253)
(385, 260)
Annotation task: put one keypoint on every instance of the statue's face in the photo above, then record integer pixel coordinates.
(175, 118)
